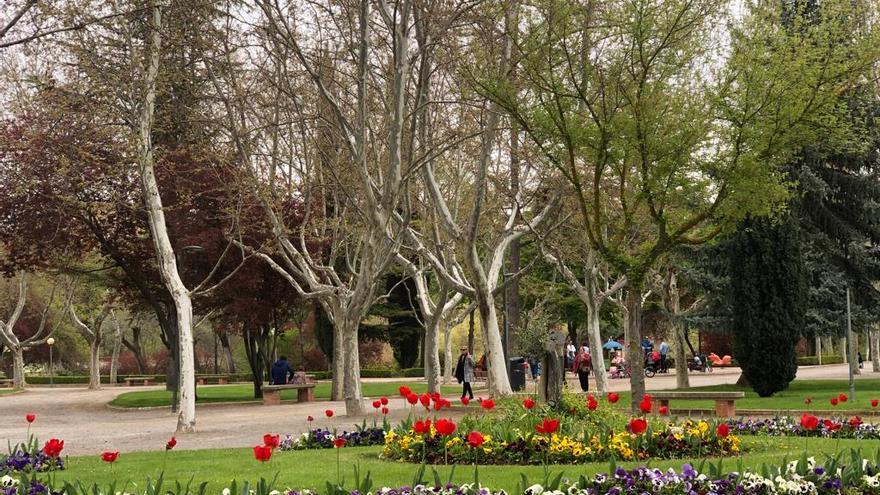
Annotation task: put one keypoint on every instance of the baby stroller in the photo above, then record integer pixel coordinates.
(621, 370)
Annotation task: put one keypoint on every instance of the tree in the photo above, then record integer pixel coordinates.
(604, 91)
(92, 330)
(769, 300)
(12, 337)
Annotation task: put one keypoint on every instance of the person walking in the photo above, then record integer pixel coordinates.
(582, 365)
(281, 372)
(464, 372)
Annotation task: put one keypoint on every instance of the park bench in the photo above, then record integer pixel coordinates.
(208, 380)
(5, 382)
(724, 401)
(134, 380)
(480, 375)
(305, 392)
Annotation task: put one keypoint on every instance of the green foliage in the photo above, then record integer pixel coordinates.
(768, 300)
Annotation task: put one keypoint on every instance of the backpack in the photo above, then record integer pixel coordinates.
(586, 363)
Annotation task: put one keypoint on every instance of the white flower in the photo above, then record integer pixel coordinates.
(274, 492)
(872, 481)
(226, 491)
(8, 481)
(792, 466)
(535, 490)
(811, 462)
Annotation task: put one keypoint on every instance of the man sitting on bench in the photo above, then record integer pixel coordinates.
(282, 373)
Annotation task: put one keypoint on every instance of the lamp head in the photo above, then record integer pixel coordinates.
(50, 341)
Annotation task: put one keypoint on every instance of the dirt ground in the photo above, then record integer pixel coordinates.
(88, 425)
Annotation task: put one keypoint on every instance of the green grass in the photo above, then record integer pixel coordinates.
(311, 468)
(791, 399)
(245, 392)
(7, 391)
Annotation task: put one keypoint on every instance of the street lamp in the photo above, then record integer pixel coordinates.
(51, 342)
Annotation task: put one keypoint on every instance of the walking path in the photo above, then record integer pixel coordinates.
(88, 426)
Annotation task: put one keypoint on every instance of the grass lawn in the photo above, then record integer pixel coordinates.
(791, 399)
(311, 468)
(7, 391)
(245, 392)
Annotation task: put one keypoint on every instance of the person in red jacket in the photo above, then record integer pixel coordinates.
(582, 365)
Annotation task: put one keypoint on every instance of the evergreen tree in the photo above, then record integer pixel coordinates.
(768, 300)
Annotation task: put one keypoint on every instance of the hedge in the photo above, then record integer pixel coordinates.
(814, 360)
(237, 377)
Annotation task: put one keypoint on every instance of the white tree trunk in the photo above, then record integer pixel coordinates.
(595, 338)
(336, 388)
(95, 365)
(354, 404)
(818, 349)
(186, 420)
(447, 354)
(853, 349)
(18, 379)
(844, 352)
(228, 359)
(114, 357)
(498, 381)
(874, 342)
(432, 353)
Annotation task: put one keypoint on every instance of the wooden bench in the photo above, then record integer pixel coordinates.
(305, 392)
(5, 382)
(480, 375)
(725, 402)
(133, 380)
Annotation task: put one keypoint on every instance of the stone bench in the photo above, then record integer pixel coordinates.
(134, 380)
(725, 402)
(305, 392)
(209, 380)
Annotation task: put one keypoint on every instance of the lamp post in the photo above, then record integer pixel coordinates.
(51, 342)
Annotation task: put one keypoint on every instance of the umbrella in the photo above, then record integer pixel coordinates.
(612, 345)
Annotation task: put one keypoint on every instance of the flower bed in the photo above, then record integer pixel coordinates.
(852, 427)
(323, 439)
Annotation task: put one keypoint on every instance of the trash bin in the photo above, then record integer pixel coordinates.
(517, 372)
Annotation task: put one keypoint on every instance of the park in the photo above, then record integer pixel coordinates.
(409, 247)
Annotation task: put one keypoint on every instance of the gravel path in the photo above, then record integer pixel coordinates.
(88, 425)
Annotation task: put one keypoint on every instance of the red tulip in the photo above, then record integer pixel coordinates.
(855, 421)
(30, 417)
(809, 422)
(384, 401)
(404, 391)
(874, 402)
(170, 444)
(592, 403)
(465, 401)
(262, 453)
(435, 397)
(834, 401)
(613, 398)
(475, 439)
(109, 456)
(842, 398)
(645, 406)
(310, 419)
(638, 426)
(487, 404)
(831, 425)
(412, 398)
(53, 447)
(722, 430)
(438, 405)
(271, 440)
(329, 413)
(548, 426)
(445, 427)
(339, 443)
(647, 397)
(422, 427)
(377, 404)
(384, 410)
(425, 399)
(529, 403)
(808, 401)
(664, 410)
